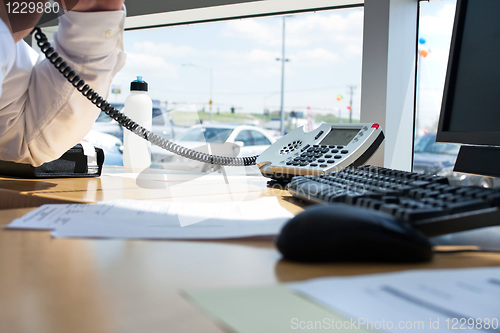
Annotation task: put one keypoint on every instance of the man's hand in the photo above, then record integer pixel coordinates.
(21, 20)
(21, 24)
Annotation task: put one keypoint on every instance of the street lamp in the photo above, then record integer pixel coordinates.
(283, 60)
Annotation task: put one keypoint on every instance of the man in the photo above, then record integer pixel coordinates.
(41, 114)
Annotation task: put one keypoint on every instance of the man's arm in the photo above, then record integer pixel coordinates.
(41, 114)
(6, 52)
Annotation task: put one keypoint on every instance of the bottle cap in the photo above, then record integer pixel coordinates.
(139, 84)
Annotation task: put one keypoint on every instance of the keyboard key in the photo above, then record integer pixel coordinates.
(422, 213)
(463, 206)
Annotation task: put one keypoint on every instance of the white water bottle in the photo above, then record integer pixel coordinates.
(139, 108)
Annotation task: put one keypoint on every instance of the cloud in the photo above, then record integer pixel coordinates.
(164, 49)
(439, 55)
(301, 30)
(259, 55)
(316, 57)
(254, 64)
(336, 27)
(154, 65)
(441, 24)
(314, 39)
(256, 30)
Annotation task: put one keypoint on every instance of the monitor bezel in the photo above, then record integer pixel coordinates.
(444, 134)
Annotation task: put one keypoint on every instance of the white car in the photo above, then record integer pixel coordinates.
(217, 139)
(111, 145)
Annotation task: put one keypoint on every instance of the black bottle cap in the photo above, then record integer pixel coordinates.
(139, 84)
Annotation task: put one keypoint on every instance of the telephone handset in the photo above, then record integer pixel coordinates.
(328, 148)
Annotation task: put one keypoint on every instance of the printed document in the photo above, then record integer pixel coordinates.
(452, 300)
(133, 219)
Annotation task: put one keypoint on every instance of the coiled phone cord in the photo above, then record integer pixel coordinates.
(123, 120)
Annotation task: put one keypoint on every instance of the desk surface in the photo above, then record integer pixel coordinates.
(80, 285)
(114, 184)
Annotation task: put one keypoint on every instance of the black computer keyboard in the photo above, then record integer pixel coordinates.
(427, 202)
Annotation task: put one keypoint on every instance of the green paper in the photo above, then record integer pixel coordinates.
(272, 309)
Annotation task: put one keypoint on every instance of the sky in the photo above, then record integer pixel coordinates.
(436, 25)
(235, 64)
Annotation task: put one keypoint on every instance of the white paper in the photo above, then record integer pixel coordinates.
(159, 220)
(466, 300)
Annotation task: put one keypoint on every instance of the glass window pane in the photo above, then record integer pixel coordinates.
(232, 71)
(435, 28)
(245, 137)
(260, 139)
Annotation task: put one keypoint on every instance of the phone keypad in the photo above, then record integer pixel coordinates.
(318, 155)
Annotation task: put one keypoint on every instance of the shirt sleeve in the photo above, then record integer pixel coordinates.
(7, 53)
(41, 114)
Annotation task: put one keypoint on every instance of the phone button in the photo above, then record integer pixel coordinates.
(318, 135)
(313, 164)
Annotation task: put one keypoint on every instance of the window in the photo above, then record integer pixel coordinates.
(245, 137)
(260, 139)
(158, 117)
(435, 27)
(234, 67)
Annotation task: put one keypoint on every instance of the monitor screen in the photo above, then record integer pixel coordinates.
(470, 111)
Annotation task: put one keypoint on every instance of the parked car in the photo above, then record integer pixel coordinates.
(436, 158)
(162, 124)
(111, 145)
(105, 124)
(220, 139)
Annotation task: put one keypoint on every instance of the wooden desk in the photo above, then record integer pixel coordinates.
(80, 285)
(116, 183)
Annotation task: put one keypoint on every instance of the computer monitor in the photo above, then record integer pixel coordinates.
(470, 111)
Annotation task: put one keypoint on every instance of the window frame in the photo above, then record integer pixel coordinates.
(388, 68)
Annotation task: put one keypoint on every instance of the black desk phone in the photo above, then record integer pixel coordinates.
(328, 148)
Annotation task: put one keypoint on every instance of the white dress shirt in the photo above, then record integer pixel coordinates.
(41, 114)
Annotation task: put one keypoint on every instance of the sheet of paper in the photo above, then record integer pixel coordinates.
(466, 300)
(265, 309)
(159, 220)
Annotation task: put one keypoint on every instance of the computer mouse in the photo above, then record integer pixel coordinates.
(341, 232)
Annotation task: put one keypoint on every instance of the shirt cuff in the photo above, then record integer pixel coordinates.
(91, 33)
